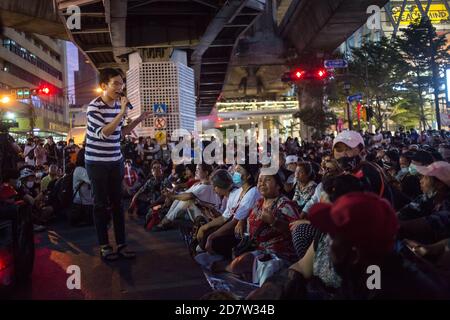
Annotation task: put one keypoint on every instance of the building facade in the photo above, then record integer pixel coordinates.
(31, 61)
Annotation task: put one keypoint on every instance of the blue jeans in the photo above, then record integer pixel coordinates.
(106, 180)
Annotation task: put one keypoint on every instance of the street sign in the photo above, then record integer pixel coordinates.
(160, 137)
(335, 64)
(355, 97)
(159, 108)
(160, 122)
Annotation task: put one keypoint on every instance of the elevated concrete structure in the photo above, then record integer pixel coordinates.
(223, 38)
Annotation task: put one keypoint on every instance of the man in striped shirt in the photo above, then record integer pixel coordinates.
(104, 161)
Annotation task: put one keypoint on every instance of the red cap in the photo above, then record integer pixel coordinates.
(364, 219)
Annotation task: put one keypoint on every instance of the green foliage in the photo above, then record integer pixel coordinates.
(316, 118)
(425, 53)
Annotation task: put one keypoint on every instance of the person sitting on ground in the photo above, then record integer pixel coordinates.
(131, 181)
(391, 166)
(349, 151)
(291, 167)
(410, 183)
(305, 185)
(427, 218)
(302, 231)
(444, 150)
(437, 253)
(200, 194)
(52, 176)
(313, 247)
(268, 225)
(29, 192)
(219, 235)
(363, 228)
(404, 162)
(150, 194)
(83, 199)
(189, 177)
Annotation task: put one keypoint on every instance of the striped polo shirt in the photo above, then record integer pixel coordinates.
(99, 148)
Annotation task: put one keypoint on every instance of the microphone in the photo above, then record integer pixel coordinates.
(129, 105)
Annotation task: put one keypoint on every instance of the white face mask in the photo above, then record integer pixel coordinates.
(30, 184)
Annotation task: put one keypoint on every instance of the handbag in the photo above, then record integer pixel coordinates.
(246, 244)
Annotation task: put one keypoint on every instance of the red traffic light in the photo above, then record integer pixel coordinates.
(321, 73)
(299, 74)
(45, 90)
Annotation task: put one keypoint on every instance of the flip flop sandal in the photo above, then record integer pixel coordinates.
(122, 252)
(107, 254)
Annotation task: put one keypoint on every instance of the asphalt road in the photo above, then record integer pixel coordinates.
(163, 268)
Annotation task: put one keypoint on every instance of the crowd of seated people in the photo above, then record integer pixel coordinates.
(335, 208)
(310, 230)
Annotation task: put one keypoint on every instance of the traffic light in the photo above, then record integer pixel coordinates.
(321, 74)
(364, 114)
(43, 90)
(297, 75)
(21, 93)
(358, 110)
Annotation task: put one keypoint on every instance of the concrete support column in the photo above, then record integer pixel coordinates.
(309, 95)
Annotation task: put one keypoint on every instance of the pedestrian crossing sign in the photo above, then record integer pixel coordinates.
(160, 137)
(159, 108)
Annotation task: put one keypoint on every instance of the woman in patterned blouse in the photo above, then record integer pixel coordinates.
(268, 225)
(306, 185)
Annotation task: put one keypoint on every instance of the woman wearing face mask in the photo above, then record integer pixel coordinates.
(404, 167)
(29, 192)
(241, 194)
(427, 218)
(435, 195)
(410, 183)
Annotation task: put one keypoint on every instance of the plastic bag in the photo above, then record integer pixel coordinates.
(264, 266)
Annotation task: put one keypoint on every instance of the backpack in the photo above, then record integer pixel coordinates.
(64, 191)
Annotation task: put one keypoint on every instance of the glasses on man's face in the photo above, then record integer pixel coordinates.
(117, 84)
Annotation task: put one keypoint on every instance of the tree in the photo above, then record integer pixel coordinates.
(377, 70)
(426, 54)
(406, 111)
(316, 118)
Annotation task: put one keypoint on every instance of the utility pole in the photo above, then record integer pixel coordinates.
(349, 114)
(435, 70)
